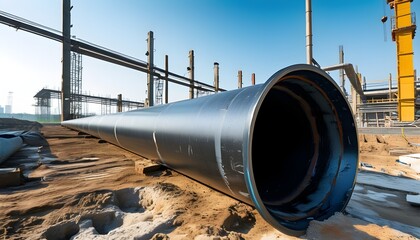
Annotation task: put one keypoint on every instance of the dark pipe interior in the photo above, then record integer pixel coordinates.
(290, 146)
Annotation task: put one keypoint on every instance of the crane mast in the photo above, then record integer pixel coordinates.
(403, 25)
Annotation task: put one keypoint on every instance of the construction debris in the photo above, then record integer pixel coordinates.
(10, 177)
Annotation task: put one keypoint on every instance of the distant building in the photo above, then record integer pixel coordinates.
(9, 103)
(8, 109)
(1, 110)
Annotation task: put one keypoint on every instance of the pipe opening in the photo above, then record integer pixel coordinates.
(288, 141)
(297, 149)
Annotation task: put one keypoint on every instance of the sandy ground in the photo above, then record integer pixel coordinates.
(79, 187)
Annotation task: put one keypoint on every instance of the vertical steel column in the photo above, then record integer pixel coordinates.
(390, 87)
(119, 103)
(239, 79)
(216, 77)
(341, 71)
(354, 99)
(66, 62)
(150, 81)
(166, 78)
(308, 32)
(191, 71)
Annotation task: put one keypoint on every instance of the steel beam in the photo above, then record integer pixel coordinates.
(95, 51)
(351, 75)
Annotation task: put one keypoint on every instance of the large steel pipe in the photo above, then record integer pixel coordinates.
(288, 147)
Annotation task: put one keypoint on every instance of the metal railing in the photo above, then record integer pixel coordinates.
(394, 20)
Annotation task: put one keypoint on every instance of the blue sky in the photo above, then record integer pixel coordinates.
(258, 37)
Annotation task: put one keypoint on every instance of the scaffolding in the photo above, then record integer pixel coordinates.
(200, 93)
(381, 106)
(74, 102)
(159, 91)
(76, 85)
(107, 105)
(43, 107)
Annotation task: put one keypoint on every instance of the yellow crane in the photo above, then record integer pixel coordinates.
(403, 31)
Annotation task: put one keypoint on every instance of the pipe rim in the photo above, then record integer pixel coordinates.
(248, 153)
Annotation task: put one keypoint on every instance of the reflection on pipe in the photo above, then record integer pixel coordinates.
(288, 147)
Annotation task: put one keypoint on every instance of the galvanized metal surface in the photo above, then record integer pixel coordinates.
(288, 147)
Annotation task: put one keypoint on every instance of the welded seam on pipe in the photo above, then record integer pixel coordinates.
(115, 129)
(101, 118)
(154, 136)
(218, 151)
(157, 148)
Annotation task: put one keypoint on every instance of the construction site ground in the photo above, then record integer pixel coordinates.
(79, 187)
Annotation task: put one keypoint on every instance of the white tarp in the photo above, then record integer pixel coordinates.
(412, 160)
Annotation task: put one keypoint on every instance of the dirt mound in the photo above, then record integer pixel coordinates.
(18, 124)
(381, 153)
